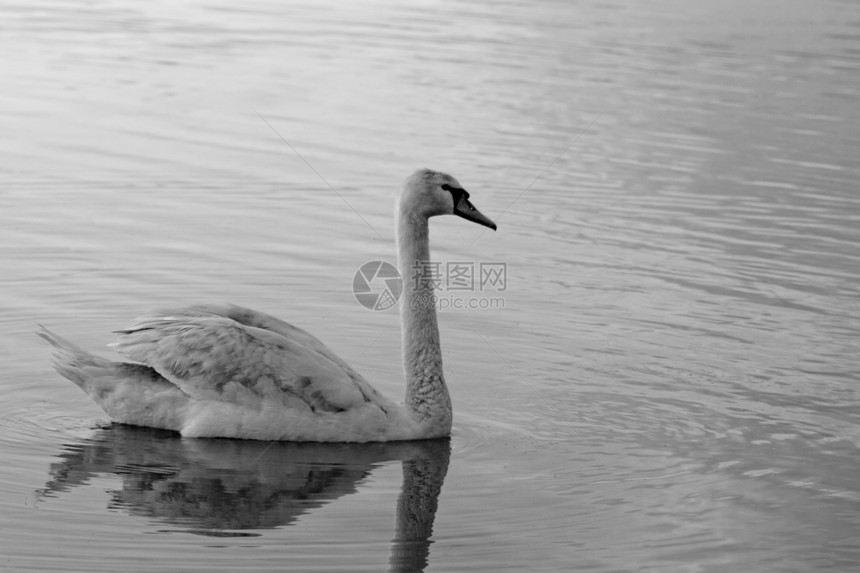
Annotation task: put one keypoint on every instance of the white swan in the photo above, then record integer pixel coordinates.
(227, 371)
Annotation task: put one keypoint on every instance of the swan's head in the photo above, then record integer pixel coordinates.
(430, 193)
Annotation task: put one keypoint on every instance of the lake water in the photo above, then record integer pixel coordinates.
(669, 383)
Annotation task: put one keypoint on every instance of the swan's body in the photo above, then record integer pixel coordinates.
(227, 371)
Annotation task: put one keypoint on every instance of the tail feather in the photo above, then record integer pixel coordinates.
(72, 361)
(128, 393)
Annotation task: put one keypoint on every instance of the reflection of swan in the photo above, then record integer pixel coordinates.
(225, 371)
(221, 487)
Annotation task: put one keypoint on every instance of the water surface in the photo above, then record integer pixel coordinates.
(670, 385)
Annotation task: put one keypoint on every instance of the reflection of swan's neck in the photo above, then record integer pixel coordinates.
(426, 394)
(416, 507)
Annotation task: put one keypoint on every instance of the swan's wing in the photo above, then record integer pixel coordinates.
(257, 319)
(216, 358)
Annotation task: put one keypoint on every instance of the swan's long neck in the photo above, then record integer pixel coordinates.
(426, 394)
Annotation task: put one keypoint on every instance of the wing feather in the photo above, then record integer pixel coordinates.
(210, 356)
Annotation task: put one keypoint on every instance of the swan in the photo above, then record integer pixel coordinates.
(226, 371)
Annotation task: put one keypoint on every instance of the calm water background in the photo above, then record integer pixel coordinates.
(670, 386)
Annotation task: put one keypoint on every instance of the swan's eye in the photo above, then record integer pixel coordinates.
(455, 190)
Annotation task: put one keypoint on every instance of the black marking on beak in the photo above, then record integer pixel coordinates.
(464, 208)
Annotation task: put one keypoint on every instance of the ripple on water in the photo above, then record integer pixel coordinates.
(35, 425)
(473, 432)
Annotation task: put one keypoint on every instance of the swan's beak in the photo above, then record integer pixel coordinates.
(464, 208)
